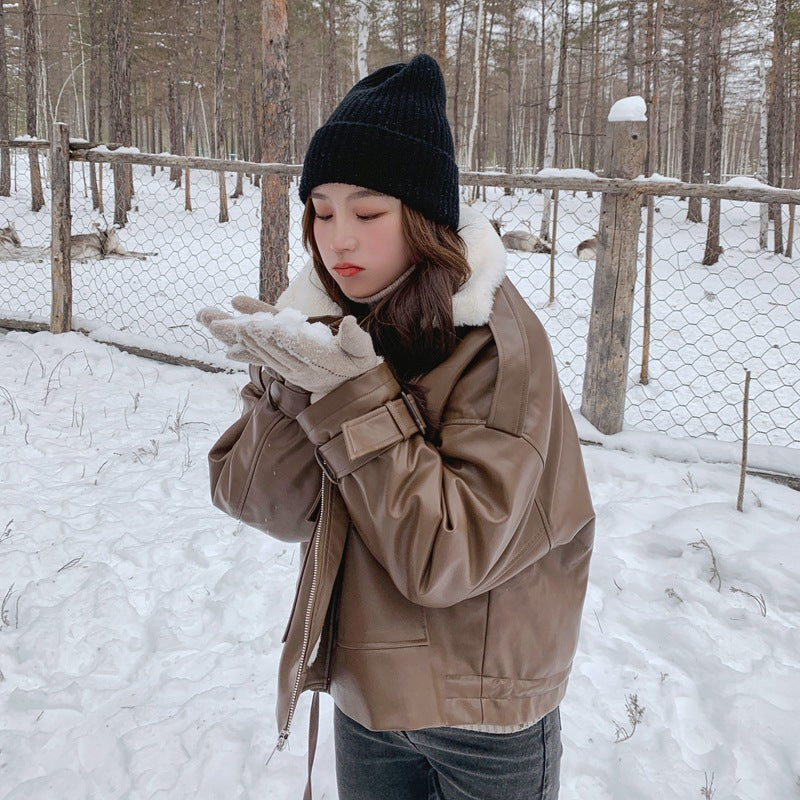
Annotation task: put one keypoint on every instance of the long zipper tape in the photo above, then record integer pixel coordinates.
(286, 730)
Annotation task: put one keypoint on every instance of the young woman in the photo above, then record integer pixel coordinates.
(405, 423)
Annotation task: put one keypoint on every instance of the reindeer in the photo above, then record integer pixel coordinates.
(587, 249)
(9, 238)
(520, 240)
(104, 242)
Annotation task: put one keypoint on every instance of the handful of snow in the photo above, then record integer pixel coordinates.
(293, 323)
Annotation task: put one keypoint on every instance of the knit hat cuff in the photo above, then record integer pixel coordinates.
(424, 177)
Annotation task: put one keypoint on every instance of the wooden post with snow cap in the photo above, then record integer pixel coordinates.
(608, 342)
(61, 230)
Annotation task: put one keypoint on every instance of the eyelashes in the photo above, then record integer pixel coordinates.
(362, 217)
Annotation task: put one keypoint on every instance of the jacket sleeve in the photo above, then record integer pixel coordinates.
(446, 521)
(263, 470)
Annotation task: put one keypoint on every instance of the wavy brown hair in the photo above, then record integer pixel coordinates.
(412, 328)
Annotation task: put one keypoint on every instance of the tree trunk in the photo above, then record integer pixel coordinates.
(31, 65)
(95, 88)
(687, 75)
(544, 95)
(239, 105)
(5, 152)
(630, 48)
(595, 86)
(191, 123)
(274, 273)
(219, 118)
(486, 41)
(258, 121)
(174, 125)
(400, 28)
(654, 36)
(763, 166)
(424, 26)
(510, 56)
(695, 211)
(476, 81)
(363, 22)
(120, 101)
(441, 45)
(775, 116)
(330, 66)
(711, 255)
(457, 126)
(795, 162)
(654, 114)
(554, 101)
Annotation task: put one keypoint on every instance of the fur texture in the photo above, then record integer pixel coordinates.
(472, 304)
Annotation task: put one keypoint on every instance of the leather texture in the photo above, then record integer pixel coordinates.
(443, 580)
(453, 573)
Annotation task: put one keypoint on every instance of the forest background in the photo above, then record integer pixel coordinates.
(529, 83)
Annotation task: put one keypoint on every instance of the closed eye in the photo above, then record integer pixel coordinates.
(367, 217)
(324, 217)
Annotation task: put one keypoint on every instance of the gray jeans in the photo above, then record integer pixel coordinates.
(448, 763)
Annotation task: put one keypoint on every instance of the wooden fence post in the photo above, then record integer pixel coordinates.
(61, 229)
(608, 342)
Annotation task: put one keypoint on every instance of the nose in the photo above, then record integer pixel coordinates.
(343, 240)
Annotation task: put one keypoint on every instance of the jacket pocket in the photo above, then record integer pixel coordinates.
(373, 614)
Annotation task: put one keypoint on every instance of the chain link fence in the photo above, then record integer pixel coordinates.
(708, 324)
(24, 266)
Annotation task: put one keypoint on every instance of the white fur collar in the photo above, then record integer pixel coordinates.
(472, 304)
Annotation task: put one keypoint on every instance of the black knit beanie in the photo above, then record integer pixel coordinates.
(391, 134)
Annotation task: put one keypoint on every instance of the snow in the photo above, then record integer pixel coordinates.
(552, 172)
(655, 177)
(629, 109)
(778, 460)
(101, 148)
(294, 323)
(140, 630)
(747, 183)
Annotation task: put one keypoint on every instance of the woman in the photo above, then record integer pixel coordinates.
(413, 436)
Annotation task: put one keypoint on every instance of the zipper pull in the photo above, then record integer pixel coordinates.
(284, 735)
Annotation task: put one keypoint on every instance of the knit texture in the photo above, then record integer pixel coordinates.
(391, 134)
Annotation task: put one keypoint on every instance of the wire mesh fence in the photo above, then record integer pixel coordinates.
(24, 263)
(708, 324)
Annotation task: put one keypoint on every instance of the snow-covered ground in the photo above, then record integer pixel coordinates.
(709, 324)
(140, 628)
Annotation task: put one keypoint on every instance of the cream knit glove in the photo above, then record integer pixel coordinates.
(306, 354)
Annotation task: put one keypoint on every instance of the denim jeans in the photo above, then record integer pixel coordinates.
(448, 763)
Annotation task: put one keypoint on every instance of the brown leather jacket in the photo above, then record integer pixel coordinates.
(442, 583)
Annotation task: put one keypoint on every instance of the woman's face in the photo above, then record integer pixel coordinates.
(359, 234)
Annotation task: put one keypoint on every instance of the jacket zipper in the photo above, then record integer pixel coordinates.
(286, 730)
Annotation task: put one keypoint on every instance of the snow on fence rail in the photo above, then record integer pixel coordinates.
(707, 324)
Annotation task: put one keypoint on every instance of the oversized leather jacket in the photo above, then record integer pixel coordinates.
(443, 581)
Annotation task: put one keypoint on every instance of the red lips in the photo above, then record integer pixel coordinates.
(347, 270)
